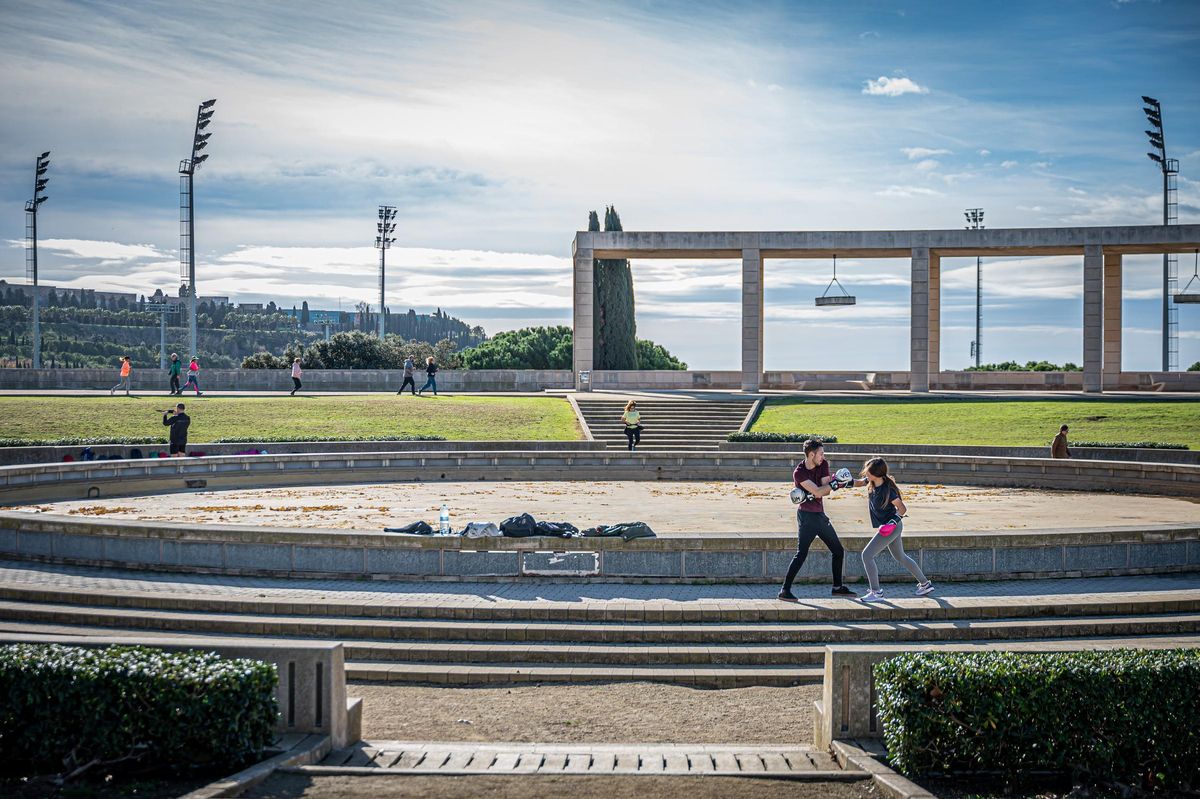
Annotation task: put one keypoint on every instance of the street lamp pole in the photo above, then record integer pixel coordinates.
(41, 164)
(385, 227)
(1170, 169)
(187, 217)
(975, 222)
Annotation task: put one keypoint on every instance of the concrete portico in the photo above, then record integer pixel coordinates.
(1101, 248)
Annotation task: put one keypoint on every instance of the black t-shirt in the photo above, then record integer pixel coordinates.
(880, 500)
(179, 426)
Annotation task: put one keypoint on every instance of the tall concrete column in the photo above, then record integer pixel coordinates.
(1112, 320)
(582, 321)
(1093, 317)
(918, 359)
(934, 357)
(752, 319)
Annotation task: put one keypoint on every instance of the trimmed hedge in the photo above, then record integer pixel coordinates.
(785, 438)
(62, 707)
(1122, 715)
(71, 441)
(1128, 444)
(303, 439)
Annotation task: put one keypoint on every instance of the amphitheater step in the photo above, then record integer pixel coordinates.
(670, 424)
(477, 674)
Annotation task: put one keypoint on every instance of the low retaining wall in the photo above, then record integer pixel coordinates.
(839, 451)
(151, 379)
(737, 557)
(10, 456)
(53, 481)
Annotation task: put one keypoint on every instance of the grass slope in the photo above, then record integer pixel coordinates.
(244, 418)
(984, 421)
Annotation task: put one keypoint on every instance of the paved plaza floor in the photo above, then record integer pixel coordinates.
(670, 508)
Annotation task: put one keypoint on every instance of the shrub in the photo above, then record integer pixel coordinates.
(1121, 715)
(302, 439)
(66, 706)
(1128, 444)
(789, 438)
(71, 441)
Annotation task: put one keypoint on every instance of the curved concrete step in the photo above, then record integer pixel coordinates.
(475, 674)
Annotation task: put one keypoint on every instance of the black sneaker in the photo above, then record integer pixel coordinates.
(787, 596)
(841, 590)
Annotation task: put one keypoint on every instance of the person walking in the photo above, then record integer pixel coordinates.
(887, 509)
(179, 422)
(431, 370)
(812, 476)
(632, 418)
(126, 371)
(296, 384)
(1058, 447)
(409, 368)
(193, 378)
(173, 370)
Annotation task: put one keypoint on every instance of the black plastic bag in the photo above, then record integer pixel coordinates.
(416, 528)
(559, 529)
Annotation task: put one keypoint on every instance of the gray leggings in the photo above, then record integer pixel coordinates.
(893, 544)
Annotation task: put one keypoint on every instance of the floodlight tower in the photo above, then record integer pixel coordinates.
(41, 164)
(187, 218)
(1170, 171)
(975, 222)
(385, 228)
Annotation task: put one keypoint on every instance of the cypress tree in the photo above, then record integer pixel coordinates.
(618, 318)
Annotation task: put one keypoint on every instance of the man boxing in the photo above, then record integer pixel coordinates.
(812, 477)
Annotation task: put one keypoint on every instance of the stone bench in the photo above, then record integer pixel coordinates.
(847, 708)
(312, 676)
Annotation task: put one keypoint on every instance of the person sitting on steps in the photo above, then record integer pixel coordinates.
(632, 418)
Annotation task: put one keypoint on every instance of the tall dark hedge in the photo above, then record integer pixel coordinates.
(1118, 716)
(615, 327)
(62, 706)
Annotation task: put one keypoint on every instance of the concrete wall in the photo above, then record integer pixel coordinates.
(734, 557)
(152, 380)
(837, 452)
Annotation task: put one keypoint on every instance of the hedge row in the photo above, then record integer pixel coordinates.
(1128, 444)
(61, 707)
(141, 440)
(1124, 716)
(779, 438)
(303, 439)
(72, 441)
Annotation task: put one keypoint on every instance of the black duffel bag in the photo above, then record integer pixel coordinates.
(522, 526)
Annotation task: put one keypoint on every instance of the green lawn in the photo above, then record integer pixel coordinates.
(984, 421)
(244, 418)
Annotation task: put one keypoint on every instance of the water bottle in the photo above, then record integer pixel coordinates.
(444, 520)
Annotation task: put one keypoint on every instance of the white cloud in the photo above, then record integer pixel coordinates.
(1008, 164)
(985, 153)
(1041, 164)
(892, 87)
(928, 165)
(914, 153)
(907, 191)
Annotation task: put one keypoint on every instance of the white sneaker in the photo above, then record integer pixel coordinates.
(872, 596)
(925, 588)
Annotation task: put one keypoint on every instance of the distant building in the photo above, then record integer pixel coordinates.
(84, 296)
(250, 306)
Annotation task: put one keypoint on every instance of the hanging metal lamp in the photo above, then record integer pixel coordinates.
(827, 299)
(1190, 294)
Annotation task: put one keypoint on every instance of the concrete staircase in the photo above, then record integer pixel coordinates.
(670, 424)
(704, 644)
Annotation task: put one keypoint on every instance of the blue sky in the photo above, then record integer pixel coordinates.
(496, 127)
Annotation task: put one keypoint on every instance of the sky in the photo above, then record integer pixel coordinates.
(494, 127)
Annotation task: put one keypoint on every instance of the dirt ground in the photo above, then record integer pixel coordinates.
(280, 786)
(594, 713)
(668, 507)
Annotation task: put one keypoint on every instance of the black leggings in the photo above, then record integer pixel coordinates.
(412, 385)
(633, 435)
(815, 525)
(174, 384)
(296, 382)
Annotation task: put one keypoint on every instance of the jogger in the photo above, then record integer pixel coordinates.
(431, 369)
(886, 506)
(812, 476)
(193, 378)
(409, 367)
(126, 371)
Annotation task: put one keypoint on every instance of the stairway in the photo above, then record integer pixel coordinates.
(670, 424)
(751, 642)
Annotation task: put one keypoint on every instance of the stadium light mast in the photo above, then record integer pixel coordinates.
(383, 241)
(975, 222)
(1170, 171)
(187, 218)
(41, 164)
